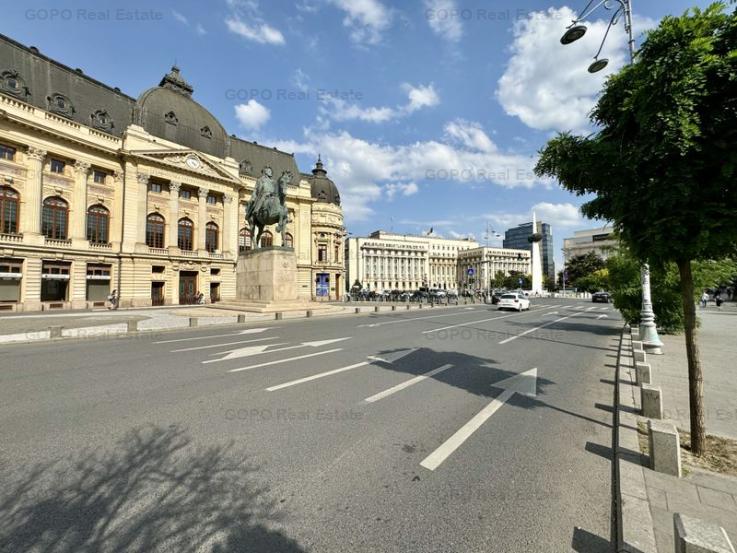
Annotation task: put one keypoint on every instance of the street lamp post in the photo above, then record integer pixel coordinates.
(648, 330)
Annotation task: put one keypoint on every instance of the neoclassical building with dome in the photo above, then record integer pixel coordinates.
(100, 191)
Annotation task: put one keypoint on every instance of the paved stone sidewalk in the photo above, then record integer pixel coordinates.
(718, 343)
(703, 495)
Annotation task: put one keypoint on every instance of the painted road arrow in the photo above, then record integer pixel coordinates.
(258, 350)
(524, 383)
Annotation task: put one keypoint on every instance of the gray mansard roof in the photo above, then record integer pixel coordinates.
(167, 111)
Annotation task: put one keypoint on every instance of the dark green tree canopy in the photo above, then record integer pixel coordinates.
(663, 164)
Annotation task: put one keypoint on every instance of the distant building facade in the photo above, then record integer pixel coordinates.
(600, 241)
(517, 238)
(102, 191)
(391, 261)
(477, 266)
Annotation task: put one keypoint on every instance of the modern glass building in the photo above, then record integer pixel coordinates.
(516, 238)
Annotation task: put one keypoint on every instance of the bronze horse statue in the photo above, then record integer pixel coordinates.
(267, 205)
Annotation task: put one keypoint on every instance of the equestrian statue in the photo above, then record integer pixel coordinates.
(266, 206)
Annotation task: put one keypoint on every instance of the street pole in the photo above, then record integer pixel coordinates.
(648, 329)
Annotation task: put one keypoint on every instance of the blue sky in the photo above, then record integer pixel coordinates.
(427, 113)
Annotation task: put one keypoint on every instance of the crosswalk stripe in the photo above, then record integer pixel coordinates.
(406, 384)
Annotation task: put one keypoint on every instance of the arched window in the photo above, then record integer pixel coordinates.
(155, 231)
(288, 240)
(98, 223)
(244, 240)
(186, 234)
(211, 237)
(9, 200)
(55, 218)
(267, 239)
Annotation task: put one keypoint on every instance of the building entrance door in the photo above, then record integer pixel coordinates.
(187, 287)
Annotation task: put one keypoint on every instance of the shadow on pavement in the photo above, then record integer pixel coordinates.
(154, 491)
(585, 542)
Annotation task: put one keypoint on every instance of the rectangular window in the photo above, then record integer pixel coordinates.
(7, 152)
(154, 187)
(185, 194)
(99, 176)
(157, 269)
(8, 266)
(57, 166)
(212, 200)
(322, 253)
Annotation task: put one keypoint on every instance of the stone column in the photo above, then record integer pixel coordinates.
(116, 210)
(78, 226)
(229, 235)
(201, 217)
(142, 207)
(30, 221)
(171, 239)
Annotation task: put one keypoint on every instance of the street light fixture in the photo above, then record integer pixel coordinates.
(648, 329)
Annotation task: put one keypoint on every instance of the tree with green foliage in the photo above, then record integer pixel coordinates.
(663, 162)
(598, 280)
(581, 266)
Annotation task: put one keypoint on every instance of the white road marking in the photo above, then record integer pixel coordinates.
(601, 317)
(373, 325)
(259, 350)
(523, 383)
(526, 332)
(226, 344)
(591, 308)
(239, 333)
(316, 376)
(436, 458)
(268, 363)
(406, 384)
(482, 320)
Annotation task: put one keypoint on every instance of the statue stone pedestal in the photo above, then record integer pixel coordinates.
(266, 282)
(267, 275)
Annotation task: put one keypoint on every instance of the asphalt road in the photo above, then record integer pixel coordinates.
(437, 431)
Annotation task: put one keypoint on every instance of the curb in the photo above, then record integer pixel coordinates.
(635, 529)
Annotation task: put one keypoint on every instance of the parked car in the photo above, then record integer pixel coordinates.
(517, 302)
(601, 297)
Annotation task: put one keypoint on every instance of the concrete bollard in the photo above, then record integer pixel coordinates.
(278, 316)
(651, 400)
(55, 331)
(665, 448)
(696, 536)
(407, 307)
(241, 318)
(643, 373)
(132, 326)
(376, 308)
(639, 356)
(394, 307)
(309, 313)
(420, 305)
(357, 310)
(193, 322)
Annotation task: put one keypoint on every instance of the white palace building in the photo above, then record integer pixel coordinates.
(101, 191)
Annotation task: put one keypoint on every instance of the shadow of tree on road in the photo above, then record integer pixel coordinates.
(154, 491)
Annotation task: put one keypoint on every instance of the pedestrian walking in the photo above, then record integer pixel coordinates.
(718, 299)
(704, 299)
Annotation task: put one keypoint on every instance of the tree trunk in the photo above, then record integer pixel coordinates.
(695, 375)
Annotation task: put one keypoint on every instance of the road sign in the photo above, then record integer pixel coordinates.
(471, 272)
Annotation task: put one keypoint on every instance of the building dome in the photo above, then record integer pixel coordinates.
(168, 111)
(323, 189)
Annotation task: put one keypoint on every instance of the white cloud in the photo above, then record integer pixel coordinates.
(366, 19)
(471, 135)
(442, 16)
(405, 189)
(363, 169)
(245, 20)
(418, 97)
(557, 215)
(301, 80)
(180, 17)
(199, 29)
(252, 115)
(546, 84)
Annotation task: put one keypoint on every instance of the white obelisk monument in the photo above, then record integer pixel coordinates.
(537, 268)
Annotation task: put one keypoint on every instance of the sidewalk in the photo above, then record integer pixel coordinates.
(718, 348)
(648, 500)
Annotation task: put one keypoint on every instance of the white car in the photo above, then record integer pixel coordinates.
(515, 301)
